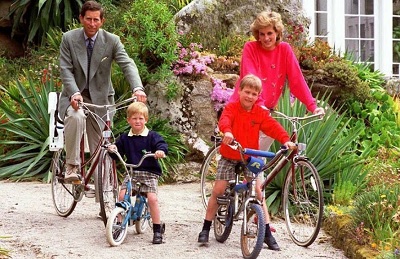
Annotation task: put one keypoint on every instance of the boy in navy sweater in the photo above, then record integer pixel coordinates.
(133, 145)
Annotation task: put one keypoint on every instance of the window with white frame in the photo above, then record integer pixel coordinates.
(361, 28)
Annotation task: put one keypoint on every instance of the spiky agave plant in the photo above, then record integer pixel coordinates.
(26, 120)
(329, 143)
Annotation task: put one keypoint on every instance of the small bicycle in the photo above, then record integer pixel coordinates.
(240, 199)
(125, 213)
(66, 195)
(302, 196)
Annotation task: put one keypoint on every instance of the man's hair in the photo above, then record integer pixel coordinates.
(265, 19)
(92, 6)
(137, 107)
(252, 82)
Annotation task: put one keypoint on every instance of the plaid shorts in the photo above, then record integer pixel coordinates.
(149, 181)
(226, 169)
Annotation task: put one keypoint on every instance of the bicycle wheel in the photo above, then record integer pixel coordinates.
(107, 185)
(115, 232)
(223, 222)
(253, 232)
(208, 172)
(62, 193)
(303, 203)
(144, 221)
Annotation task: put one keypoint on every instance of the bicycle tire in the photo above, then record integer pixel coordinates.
(303, 213)
(144, 220)
(62, 193)
(252, 237)
(107, 185)
(208, 173)
(223, 222)
(115, 232)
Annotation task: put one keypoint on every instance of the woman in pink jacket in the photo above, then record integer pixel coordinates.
(274, 62)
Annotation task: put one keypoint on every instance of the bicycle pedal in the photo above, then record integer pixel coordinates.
(222, 200)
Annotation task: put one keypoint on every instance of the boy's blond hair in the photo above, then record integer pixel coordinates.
(252, 82)
(137, 107)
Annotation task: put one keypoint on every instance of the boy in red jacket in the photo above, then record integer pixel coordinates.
(242, 120)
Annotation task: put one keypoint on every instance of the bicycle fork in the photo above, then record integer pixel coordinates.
(251, 198)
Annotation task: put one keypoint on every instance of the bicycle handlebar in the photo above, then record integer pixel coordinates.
(295, 118)
(131, 165)
(108, 106)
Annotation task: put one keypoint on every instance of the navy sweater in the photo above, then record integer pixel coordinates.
(134, 147)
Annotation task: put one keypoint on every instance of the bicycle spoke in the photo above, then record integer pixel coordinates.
(303, 204)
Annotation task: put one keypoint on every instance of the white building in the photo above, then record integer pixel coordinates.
(369, 29)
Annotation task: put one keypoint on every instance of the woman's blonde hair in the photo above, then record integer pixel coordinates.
(251, 81)
(137, 107)
(265, 19)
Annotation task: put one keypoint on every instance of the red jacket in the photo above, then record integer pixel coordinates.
(246, 125)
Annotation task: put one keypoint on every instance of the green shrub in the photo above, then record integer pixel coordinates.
(379, 211)
(150, 38)
(28, 120)
(329, 147)
(38, 16)
(347, 183)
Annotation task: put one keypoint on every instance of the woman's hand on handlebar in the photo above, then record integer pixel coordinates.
(320, 111)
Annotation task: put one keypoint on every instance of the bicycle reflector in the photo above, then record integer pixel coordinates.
(255, 164)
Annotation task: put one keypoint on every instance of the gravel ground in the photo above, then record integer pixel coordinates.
(28, 218)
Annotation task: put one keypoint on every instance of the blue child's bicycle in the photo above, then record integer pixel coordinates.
(125, 213)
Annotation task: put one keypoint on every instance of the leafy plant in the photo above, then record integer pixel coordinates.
(176, 5)
(28, 121)
(150, 38)
(38, 16)
(329, 147)
(379, 211)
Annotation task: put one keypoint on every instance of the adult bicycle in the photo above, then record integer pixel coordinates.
(302, 197)
(66, 195)
(126, 213)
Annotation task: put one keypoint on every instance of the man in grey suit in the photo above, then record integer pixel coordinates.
(86, 56)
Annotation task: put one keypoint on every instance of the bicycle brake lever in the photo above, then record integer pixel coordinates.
(234, 146)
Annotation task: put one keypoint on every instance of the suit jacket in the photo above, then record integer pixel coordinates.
(74, 61)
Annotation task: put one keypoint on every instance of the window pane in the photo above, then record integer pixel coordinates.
(395, 70)
(351, 27)
(322, 23)
(396, 50)
(322, 5)
(396, 7)
(396, 27)
(367, 50)
(367, 27)
(367, 7)
(353, 48)
(351, 7)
